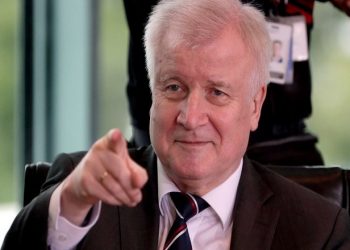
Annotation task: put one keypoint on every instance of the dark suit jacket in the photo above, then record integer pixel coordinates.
(270, 213)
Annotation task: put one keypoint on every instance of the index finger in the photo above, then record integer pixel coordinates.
(116, 142)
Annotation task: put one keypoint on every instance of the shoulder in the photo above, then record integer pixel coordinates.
(303, 211)
(287, 189)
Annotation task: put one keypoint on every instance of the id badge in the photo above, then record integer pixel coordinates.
(281, 59)
(299, 36)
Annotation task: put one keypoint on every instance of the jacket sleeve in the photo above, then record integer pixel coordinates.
(29, 228)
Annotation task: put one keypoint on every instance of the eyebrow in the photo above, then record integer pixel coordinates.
(170, 74)
(220, 83)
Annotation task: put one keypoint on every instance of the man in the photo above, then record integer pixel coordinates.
(207, 62)
(282, 137)
(277, 51)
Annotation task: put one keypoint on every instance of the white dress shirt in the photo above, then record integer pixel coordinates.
(210, 229)
(63, 235)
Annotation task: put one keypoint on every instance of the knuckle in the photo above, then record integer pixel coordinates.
(88, 161)
(96, 147)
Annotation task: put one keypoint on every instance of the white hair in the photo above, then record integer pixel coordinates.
(193, 22)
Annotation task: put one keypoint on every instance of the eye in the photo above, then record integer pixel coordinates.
(218, 97)
(174, 91)
(173, 87)
(217, 92)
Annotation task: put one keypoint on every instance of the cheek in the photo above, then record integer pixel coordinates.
(234, 125)
(154, 121)
(162, 118)
(157, 114)
(235, 136)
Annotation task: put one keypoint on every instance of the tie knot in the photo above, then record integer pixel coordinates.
(187, 205)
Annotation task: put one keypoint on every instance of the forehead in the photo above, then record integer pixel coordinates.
(224, 57)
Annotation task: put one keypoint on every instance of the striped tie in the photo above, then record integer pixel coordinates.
(187, 206)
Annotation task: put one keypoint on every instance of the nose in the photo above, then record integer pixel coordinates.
(193, 111)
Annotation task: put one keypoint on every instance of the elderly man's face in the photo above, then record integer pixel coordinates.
(203, 111)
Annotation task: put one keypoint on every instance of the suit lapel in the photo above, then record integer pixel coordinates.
(140, 225)
(255, 215)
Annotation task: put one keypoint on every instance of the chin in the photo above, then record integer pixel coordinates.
(190, 170)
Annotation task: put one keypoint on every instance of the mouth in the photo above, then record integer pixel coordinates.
(190, 143)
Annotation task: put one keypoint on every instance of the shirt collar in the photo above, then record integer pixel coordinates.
(216, 198)
(165, 185)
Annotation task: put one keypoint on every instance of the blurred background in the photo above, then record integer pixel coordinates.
(63, 77)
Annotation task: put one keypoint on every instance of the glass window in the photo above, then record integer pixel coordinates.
(9, 193)
(113, 37)
(330, 61)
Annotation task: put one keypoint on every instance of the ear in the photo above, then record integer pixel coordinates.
(257, 103)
